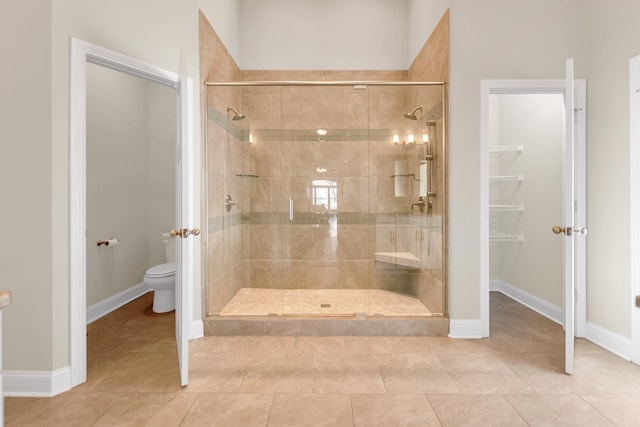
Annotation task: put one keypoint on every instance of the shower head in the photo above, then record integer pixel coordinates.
(412, 114)
(236, 114)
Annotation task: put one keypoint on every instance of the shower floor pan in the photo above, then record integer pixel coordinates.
(325, 312)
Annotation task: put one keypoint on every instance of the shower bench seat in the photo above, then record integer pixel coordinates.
(400, 259)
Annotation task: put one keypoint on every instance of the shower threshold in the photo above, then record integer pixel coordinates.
(366, 312)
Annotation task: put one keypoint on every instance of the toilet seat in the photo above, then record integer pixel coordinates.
(162, 270)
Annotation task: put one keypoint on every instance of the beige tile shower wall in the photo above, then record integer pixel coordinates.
(432, 64)
(223, 248)
(315, 252)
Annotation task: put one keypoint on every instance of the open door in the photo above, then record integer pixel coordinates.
(83, 53)
(183, 230)
(570, 229)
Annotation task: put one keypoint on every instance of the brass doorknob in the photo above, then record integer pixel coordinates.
(184, 232)
(174, 232)
(570, 230)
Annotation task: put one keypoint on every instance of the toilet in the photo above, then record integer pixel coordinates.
(162, 279)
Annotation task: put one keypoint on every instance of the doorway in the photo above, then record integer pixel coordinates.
(509, 220)
(83, 54)
(131, 134)
(634, 96)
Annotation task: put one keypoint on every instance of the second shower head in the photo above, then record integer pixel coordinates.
(412, 114)
(236, 115)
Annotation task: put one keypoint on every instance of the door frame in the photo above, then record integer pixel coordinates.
(496, 87)
(634, 185)
(83, 53)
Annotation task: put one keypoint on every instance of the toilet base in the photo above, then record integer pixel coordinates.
(164, 300)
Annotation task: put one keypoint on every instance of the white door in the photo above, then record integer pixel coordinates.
(183, 230)
(634, 116)
(569, 229)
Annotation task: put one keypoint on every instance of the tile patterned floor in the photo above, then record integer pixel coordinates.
(255, 301)
(514, 378)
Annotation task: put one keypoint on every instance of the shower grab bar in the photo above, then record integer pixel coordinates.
(291, 209)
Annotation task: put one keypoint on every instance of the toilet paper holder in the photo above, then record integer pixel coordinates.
(109, 242)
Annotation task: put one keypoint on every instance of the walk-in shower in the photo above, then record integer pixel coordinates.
(324, 175)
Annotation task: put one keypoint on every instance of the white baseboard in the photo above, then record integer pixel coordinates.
(610, 341)
(197, 329)
(116, 301)
(535, 303)
(465, 328)
(36, 383)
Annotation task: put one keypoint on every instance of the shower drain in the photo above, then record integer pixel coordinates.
(325, 305)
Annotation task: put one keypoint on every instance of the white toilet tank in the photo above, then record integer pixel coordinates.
(169, 247)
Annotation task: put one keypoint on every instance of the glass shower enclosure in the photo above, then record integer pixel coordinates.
(325, 199)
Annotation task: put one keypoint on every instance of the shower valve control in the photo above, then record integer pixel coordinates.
(229, 203)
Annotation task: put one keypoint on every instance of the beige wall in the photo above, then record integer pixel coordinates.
(532, 40)
(25, 184)
(323, 35)
(613, 38)
(39, 152)
(495, 39)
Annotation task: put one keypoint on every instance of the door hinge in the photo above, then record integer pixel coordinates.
(575, 114)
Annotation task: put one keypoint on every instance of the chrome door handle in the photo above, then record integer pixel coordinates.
(580, 230)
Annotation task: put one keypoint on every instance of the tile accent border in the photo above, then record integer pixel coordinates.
(36, 383)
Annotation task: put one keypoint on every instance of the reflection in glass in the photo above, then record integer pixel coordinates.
(325, 194)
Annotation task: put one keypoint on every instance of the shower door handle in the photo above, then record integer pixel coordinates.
(291, 209)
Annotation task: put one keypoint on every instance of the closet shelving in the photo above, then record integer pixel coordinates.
(506, 149)
(507, 178)
(497, 209)
(506, 208)
(497, 236)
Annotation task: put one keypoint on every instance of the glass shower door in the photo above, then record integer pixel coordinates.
(324, 200)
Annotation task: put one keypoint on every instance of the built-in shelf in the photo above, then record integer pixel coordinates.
(506, 178)
(497, 236)
(506, 149)
(506, 208)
